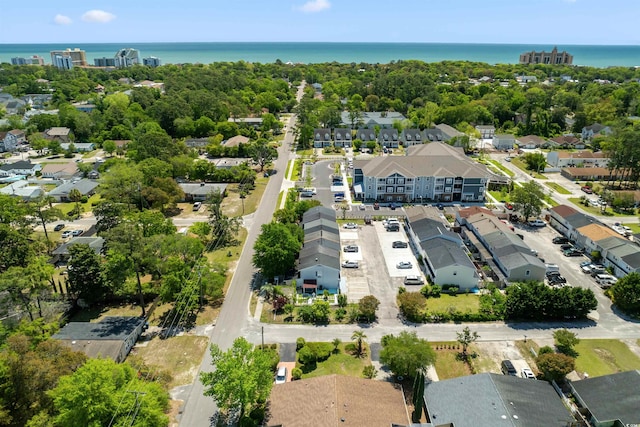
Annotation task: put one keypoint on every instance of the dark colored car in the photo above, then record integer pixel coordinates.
(58, 227)
(400, 244)
(440, 206)
(566, 246)
(376, 206)
(508, 368)
(572, 252)
(392, 206)
(560, 240)
(350, 248)
(556, 279)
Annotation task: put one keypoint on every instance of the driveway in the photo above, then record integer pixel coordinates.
(392, 256)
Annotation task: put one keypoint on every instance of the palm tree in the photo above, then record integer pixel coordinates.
(358, 337)
(336, 343)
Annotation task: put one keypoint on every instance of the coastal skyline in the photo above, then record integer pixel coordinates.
(553, 22)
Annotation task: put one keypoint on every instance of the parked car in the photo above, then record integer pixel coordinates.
(586, 189)
(281, 375)
(440, 206)
(508, 206)
(537, 223)
(376, 206)
(572, 252)
(527, 373)
(351, 248)
(350, 226)
(367, 219)
(400, 244)
(350, 264)
(66, 234)
(393, 227)
(556, 279)
(586, 268)
(404, 265)
(560, 240)
(413, 280)
(76, 233)
(566, 246)
(508, 369)
(58, 227)
(597, 269)
(197, 206)
(392, 206)
(362, 207)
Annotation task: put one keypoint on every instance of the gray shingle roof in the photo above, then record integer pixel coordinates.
(612, 397)
(318, 212)
(320, 258)
(95, 243)
(85, 186)
(444, 253)
(492, 400)
(202, 189)
(580, 220)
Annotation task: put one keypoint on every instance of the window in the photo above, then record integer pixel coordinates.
(390, 181)
(380, 188)
(527, 273)
(399, 189)
(449, 181)
(389, 189)
(409, 179)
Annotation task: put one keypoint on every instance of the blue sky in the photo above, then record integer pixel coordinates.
(448, 21)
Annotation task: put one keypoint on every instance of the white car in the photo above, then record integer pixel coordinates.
(527, 373)
(404, 265)
(281, 375)
(350, 226)
(537, 223)
(350, 264)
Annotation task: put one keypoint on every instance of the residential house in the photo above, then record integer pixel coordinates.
(12, 106)
(60, 170)
(490, 400)
(227, 162)
(429, 172)
(9, 141)
(443, 252)
(23, 190)
(593, 174)
(388, 138)
(79, 147)
(499, 246)
(254, 122)
(558, 218)
(61, 253)
(321, 138)
(410, 137)
(503, 142)
(86, 187)
(588, 236)
(61, 134)
(448, 131)
(84, 107)
(235, 141)
(199, 191)
(567, 141)
(609, 400)
(121, 144)
(486, 131)
(319, 262)
(112, 337)
(596, 129)
(433, 135)
(586, 159)
(342, 137)
(573, 222)
(620, 254)
(531, 142)
(21, 167)
(332, 400)
(370, 119)
(197, 143)
(366, 135)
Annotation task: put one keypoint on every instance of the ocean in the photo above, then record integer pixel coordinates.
(308, 53)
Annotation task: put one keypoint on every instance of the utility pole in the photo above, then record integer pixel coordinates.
(199, 268)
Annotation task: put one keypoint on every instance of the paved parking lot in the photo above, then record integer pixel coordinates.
(392, 256)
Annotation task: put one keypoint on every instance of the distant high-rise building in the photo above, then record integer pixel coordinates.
(127, 57)
(34, 60)
(552, 58)
(62, 62)
(104, 62)
(152, 61)
(77, 56)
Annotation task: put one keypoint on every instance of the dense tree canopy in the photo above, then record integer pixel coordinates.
(406, 354)
(626, 293)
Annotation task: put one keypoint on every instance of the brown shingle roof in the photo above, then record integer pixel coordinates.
(333, 400)
(580, 155)
(467, 212)
(564, 210)
(597, 232)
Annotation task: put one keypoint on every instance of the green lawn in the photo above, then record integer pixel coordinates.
(85, 207)
(502, 168)
(341, 363)
(289, 166)
(461, 302)
(557, 187)
(447, 365)
(597, 211)
(602, 357)
(523, 166)
(500, 197)
(634, 226)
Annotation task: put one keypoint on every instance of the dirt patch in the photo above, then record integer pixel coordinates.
(174, 411)
(490, 354)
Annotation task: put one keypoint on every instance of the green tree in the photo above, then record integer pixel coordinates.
(26, 283)
(555, 366)
(528, 199)
(368, 306)
(466, 338)
(535, 161)
(76, 196)
(566, 341)
(85, 274)
(626, 293)
(202, 230)
(359, 338)
(99, 394)
(406, 354)
(262, 153)
(242, 379)
(42, 208)
(224, 227)
(122, 183)
(275, 250)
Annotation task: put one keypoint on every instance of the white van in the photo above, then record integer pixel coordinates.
(281, 376)
(413, 280)
(605, 280)
(551, 268)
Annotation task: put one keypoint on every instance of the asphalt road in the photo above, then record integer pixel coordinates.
(233, 320)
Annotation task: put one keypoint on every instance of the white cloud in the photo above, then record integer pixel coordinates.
(62, 20)
(313, 6)
(97, 15)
